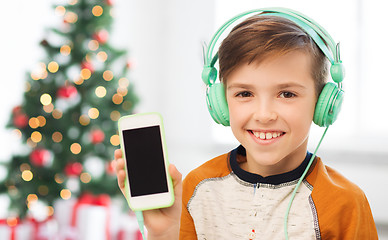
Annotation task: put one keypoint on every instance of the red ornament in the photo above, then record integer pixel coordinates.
(40, 157)
(73, 169)
(17, 110)
(109, 2)
(101, 36)
(20, 120)
(67, 91)
(87, 65)
(97, 136)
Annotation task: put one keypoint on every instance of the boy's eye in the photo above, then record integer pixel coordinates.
(287, 95)
(244, 94)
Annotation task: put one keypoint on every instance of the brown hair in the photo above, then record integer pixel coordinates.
(261, 36)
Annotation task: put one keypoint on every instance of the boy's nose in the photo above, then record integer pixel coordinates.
(264, 113)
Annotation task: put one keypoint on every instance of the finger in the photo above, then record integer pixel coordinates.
(176, 179)
(121, 180)
(120, 164)
(118, 154)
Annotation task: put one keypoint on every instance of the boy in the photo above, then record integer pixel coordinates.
(273, 73)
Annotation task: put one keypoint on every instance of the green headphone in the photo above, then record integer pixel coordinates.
(329, 102)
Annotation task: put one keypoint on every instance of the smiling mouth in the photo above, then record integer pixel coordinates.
(267, 135)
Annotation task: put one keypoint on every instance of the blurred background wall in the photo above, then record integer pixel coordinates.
(165, 38)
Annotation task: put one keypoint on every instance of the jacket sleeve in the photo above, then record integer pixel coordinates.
(342, 208)
(187, 228)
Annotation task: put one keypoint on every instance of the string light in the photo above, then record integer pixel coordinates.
(48, 108)
(85, 177)
(50, 211)
(53, 67)
(115, 140)
(27, 175)
(39, 72)
(123, 82)
(79, 81)
(97, 10)
(73, 2)
(65, 194)
(115, 115)
(84, 120)
(122, 91)
(75, 148)
(18, 133)
(32, 198)
(117, 99)
(65, 50)
(36, 137)
(12, 221)
(45, 99)
(102, 56)
(85, 73)
(24, 166)
(59, 178)
(57, 114)
(107, 75)
(100, 91)
(57, 137)
(42, 121)
(93, 45)
(33, 122)
(93, 113)
(60, 10)
(71, 17)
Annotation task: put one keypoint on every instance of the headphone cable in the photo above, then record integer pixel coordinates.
(298, 184)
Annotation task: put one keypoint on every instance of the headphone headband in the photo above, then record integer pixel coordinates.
(313, 29)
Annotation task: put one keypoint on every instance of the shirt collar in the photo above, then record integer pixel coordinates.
(273, 179)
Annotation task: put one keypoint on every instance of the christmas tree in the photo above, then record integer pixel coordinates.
(68, 117)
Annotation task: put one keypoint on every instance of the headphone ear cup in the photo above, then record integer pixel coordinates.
(328, 105)
(217, 104)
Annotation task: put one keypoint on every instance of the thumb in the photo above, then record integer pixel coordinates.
(176, 180)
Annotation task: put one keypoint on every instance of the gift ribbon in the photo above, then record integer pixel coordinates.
(36, 225)
(99, 200)
(12, 226)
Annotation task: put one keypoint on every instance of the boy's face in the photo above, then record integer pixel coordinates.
(271, 107)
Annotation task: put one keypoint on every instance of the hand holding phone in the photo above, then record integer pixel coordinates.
(148, 184)
(161, 223)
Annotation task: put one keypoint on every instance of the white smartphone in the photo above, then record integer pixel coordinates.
(148, 184)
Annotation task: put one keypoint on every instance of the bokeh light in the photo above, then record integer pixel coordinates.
(97, 10)
(53, 67)
(84, 120)
(115, 140)
(27, 175)
(65, 194)
(57, 137)
(107, 75)
(65, 50)
(100, 91)
(45, 99)
(36, 137)
(93, 113)
(117, 99)
(75, 148)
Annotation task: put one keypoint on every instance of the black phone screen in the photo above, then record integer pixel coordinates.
(145, 161)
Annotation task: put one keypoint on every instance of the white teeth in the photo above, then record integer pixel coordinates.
(267, 135)
(262, 135)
